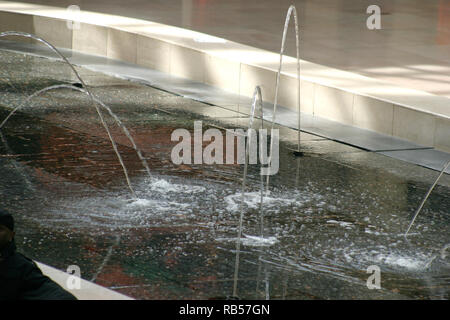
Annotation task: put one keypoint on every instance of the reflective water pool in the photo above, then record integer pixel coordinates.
(329, 215)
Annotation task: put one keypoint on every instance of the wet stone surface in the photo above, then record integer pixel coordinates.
(329, 215)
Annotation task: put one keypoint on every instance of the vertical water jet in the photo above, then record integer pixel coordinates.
(291, 11)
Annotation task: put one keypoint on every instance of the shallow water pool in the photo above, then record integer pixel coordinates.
(328, 217)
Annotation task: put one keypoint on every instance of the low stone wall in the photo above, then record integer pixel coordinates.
(329, 93)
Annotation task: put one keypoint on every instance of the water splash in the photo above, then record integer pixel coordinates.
(251, 241)
(253, 201)
(164, 186)
(91, 96)
(93, 99)
(113, 115)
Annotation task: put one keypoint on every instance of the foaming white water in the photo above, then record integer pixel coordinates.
(259, 241)
(389, 257)
(252, 241)
(140, 203)
(164, 186)
(253, 199)
(397, 260)
(347, 225)
(158, 205)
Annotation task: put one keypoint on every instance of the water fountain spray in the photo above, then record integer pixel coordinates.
(291, 11)
(87, 91)
(426, 197)
(72, 87)
(256, 101)
(16, 164)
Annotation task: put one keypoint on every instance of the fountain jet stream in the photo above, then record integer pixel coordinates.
(291, 11)
(15, 163)
(112, 114)
(256, 101)
(426, 197)
(91, 96)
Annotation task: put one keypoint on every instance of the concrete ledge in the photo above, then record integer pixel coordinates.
(87, 291)
(217, 101)
(333, 94)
